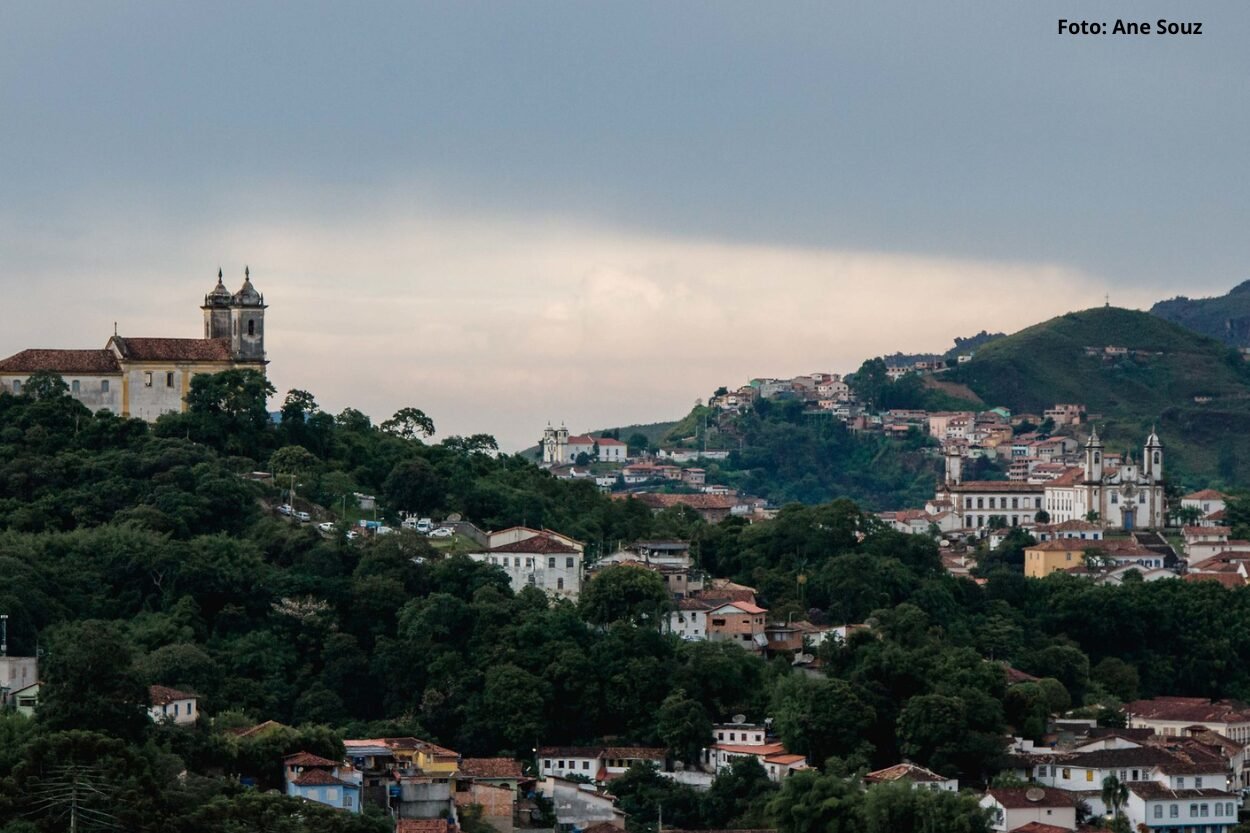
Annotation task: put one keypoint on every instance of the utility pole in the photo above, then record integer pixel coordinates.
(4, 634)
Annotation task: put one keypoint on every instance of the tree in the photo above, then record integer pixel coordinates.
(737, 796)
(90, 683)
(822, 718)
(415, 486)
(1042, 517)
(1186, 515)
(409, 423)
(44, 384)
(871, 381)
(683, 726)
(1114, 794)
(621, 593)
(893, 807)
(473, 444)
(298, 405)
(293, 460)
(637, 443)
(810, 802)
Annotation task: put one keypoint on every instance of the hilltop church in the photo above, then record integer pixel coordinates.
(147, 377)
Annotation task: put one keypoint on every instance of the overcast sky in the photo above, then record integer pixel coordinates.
(509, 213)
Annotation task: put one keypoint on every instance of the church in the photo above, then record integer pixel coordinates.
(1123, 497)
(1126, 497)
(145, 377)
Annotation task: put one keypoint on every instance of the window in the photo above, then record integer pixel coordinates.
(1174, 811)
(568, 562)
(1193, 811)
(73, 386)
(251, 327)
(104, 386)
(719, 623)
(585, 764)
(1180, 783)
(551, 563)
(559, 584)
(147, 379)
(561, 764)
(1158, 811)
(1115, 498)
(1067, 773)
(169, 379)
(17, 386)
(1089, 776)
(175, 709)
(332, 793)
(1198, 782)
(1202, 810)
(347, 800)
(546, 763)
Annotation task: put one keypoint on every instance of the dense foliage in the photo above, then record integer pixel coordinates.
(133, 555)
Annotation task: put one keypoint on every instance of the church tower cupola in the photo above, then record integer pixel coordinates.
(247, 322)
(217, 311)
(1093, 458)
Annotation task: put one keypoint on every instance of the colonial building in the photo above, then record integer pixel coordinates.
(147, 377)
(1127, 496)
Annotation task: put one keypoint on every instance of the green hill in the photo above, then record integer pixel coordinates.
(1226, 317)
(1196, 389)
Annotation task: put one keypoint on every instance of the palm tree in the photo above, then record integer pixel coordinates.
(1114, 794)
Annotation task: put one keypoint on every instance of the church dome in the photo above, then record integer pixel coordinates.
(220, 296)
(247, 296)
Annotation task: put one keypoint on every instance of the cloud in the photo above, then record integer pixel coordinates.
(497, 325)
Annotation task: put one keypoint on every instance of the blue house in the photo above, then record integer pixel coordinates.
(332, 783)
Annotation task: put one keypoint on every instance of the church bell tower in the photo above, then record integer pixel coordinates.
(1093, 458)
(247, 322)
(217, 311)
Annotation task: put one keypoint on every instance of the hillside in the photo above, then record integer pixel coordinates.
(1194, 387)
(1226, 317)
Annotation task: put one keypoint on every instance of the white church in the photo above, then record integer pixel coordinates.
(1124, 497)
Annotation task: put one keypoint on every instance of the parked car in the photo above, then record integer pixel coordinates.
(326, 526)
(424, 526)
(352, 535)
(384, 530)
(441, 532)
(303, 517)
(285, 509)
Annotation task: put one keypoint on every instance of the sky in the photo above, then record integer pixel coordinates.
(514, 213)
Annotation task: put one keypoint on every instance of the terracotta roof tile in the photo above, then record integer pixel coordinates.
(318, 778)
(537, 544)
(174, 349)
(96, 362)
(1190, 710)
(307, 759)
(490, 768)
(163, 695)
(1014, 798)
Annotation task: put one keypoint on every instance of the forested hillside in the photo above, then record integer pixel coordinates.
(133, 555)
(1225, 317)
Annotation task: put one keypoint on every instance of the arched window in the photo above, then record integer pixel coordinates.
(251, 327)
(1156, 458)
(1097, 457)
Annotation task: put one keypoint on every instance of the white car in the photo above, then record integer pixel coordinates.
(352, 535)
(285, 509)
(424, 526)
(384, 530)
(441, 532)
(326, 526)
(303, 517)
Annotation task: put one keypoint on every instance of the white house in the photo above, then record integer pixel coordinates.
(170, 704)
(919, 777)
(1014, 807)
(598, 763)
(611, 451)
(545, 560)
(1207, 501)
(737, 740)
(1159, 807)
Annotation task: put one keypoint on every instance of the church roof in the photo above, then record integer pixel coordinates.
(247, 295)
(97, 362)
(996, 486)
(220, 296)
(173, 349)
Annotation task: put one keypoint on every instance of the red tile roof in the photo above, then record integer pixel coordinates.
(709, 502)
(163, 695)
(1226, 579)
(95, 362)
(1014, 798)
(1190, 710)
(1204, 531)
(258, 729)
(997, 486)
(1038, 827)
(538, 544)
(1205, 494)
(318, 778)
(174, 349)
(490, 768)
(1070, 477)
(898, 772)
(307, 759)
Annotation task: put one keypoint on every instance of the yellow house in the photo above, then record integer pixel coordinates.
(1040, 560)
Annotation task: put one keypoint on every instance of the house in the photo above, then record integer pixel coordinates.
(147, 377)
(496, 803)
(974, 502)
(25, 700)
(406, 775)
(1206, 501)
(1172, 716)
(1077, 529)
(741, 623)
(1011, 808)
(1040, 560)
(1155, 806)
(313, 778)
(598, 763)
(711, 508)
(611, 450)
(919, 777)
(795, 635)
(581, 806)
(737, 740)
(546, 560)
(688, 619)
(16, 673)
(500, 772)
(694, 476)
(1065, 414)
(170, 704)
